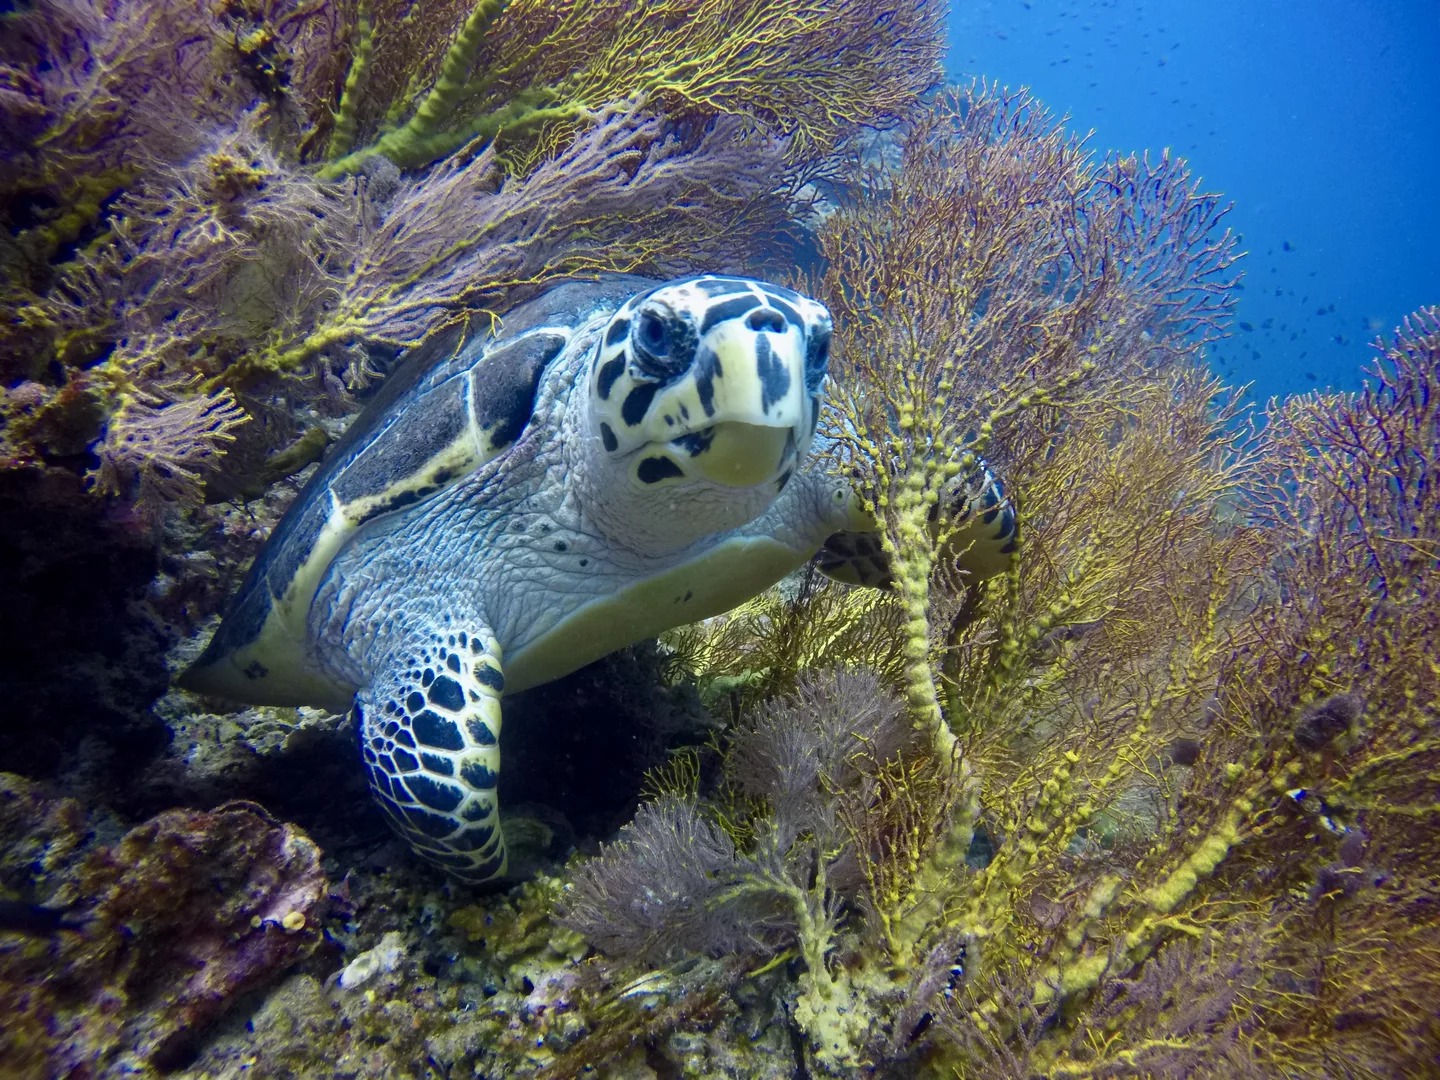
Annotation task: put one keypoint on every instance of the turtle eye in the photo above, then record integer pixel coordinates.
(817, 359)
(651, 336)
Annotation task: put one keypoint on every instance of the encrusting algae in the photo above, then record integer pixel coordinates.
(1157, 800)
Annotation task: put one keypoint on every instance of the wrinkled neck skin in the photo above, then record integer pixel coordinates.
(650, 520)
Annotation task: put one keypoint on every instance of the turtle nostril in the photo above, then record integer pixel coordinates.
(765, 319)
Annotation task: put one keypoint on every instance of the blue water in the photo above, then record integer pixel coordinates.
(1319, 118)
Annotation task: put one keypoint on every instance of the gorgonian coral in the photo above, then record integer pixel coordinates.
(1177, 814)
(200, 197)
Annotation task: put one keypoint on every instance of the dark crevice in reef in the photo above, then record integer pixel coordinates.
(80, 661)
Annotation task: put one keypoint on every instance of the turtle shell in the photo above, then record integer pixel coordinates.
(450, 408)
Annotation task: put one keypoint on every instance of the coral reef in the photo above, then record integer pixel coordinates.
(202, 197)
(177, 919)
(1175, 776)
(1159, 801)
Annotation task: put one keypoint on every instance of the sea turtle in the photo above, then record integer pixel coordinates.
(624, 456)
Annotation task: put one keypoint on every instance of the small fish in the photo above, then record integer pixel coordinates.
(1285, 246)
(19, 917)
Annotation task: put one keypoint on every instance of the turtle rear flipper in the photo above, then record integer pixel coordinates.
(430, 736)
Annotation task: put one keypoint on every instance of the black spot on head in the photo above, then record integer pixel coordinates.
(488, 676)
(415, 702)
(453, 663)
(637, 403)
(560, 545)
(607, 438)
(612, 370)
(790, 314)
(723, 286)
(404, 760)
(707, 369)
(652, 470)
(478, 775)
(427, 677)
(447, 694)
(726, 310)
(697, 442)
(616, 332)
(774, 379)
(432, 729)
(584, 562)
(404, 738)
(256, 670)
(441, 766)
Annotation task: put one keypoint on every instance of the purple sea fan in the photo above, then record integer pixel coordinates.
(157, 452)
(651, 892)
(631, 193)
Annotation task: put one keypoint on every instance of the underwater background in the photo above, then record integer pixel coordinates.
(1155, 795)
(1318, 120)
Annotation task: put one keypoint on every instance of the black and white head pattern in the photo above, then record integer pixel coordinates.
(711, 377)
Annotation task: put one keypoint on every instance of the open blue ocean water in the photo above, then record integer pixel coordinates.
(1320, 119)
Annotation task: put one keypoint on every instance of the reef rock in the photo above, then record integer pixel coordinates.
(186, 912)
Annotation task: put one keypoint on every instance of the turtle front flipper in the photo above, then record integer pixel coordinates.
(983, 543)
(430, 736)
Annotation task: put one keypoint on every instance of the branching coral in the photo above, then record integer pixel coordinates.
(760, 864)
(631, 193)
(207, 197)
(1192, 734)
(998, 275)
(525, 72)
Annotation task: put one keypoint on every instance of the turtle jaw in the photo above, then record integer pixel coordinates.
(742, 455)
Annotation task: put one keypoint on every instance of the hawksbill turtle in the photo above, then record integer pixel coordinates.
(622, 457)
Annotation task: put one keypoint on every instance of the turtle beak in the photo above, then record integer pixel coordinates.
(760, 374)
(743, 455)
(760, 404)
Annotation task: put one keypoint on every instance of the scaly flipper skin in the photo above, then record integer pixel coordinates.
(430, 736)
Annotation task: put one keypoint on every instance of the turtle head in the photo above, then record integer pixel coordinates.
(702, 401)
(713, 379)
